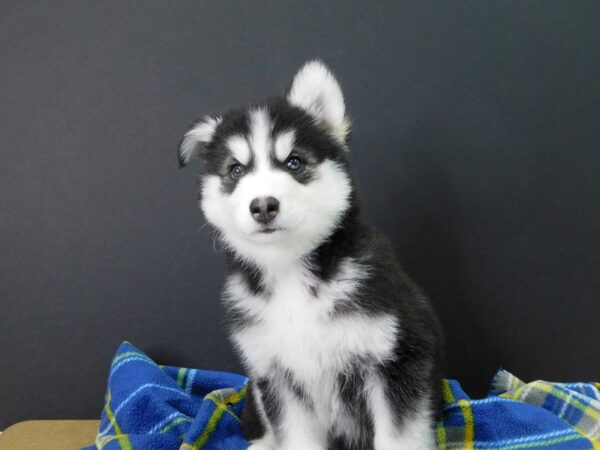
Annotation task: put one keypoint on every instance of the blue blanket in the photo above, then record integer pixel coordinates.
(152, 407)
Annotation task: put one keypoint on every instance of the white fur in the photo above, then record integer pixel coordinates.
(315, 90)
(201, 133)
(260, 137)
(239, 148)
(284, 144)
(293, 327)
(301, 428)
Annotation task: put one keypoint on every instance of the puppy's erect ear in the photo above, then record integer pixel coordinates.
(199, 136)
(317, 91)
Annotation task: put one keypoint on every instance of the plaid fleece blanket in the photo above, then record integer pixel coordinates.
(518, 415)
(152, 407)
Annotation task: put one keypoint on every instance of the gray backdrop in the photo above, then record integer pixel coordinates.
(475, 145)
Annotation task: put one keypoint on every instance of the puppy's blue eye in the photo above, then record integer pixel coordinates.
(236, 171)
(293, 163)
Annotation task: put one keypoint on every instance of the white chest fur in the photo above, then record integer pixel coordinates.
(293, 326)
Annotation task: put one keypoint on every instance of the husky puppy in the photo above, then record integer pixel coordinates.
(341, 347)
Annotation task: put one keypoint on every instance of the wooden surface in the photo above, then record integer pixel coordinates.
(49, 435)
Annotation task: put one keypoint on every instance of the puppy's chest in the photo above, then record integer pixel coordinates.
(295, 327)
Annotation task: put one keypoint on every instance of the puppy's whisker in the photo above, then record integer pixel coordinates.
(215, 241)
(202, 227)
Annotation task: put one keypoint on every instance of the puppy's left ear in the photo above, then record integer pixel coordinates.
(316, 90)
(194, 141)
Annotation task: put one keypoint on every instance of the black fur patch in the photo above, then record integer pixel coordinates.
(249, 272)
(252, 424)
(271, 402)
(238, 319)
(352, 392)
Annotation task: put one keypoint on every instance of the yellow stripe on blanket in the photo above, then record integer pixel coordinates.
(122, 439)
(221, 407)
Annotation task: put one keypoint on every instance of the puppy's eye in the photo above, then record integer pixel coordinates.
(293, 163)
(236, 171)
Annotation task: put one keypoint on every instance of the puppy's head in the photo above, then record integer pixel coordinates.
(274, 179)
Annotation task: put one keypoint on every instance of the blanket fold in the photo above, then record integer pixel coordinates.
(152, 407)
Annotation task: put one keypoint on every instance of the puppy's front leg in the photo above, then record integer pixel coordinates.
(414, 432)
(300, 429)
(258, 393)
(290, 422)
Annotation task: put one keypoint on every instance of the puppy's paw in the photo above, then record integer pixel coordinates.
(306, 446)
(260, 446)
(264, 443)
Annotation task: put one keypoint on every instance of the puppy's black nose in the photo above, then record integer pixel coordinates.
(264, 209)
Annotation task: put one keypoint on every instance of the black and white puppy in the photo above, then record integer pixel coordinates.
(341, 347)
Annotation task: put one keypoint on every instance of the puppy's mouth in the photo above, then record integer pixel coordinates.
(269, 229)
